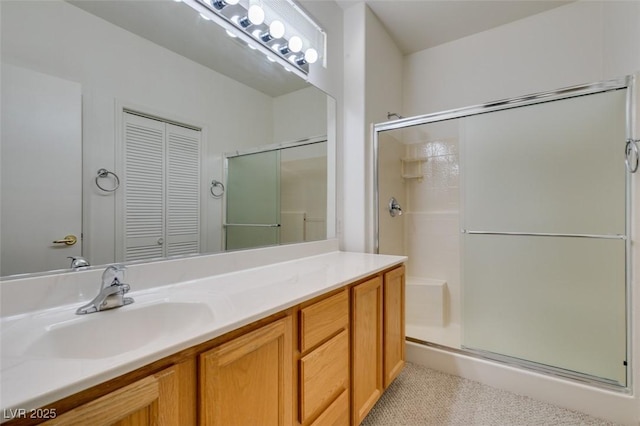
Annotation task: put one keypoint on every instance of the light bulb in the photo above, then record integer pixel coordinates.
(205, 17)
(311, 55)
(256, 15)
(276, 29)
(231, 1)
(230, 34)
(295, 44)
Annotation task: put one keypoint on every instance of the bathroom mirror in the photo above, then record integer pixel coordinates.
(117, 117)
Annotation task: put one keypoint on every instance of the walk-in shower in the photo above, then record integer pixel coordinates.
(516, 222)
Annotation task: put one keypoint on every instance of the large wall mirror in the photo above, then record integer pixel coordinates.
(133, 130)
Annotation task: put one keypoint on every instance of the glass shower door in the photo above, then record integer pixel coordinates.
(544, 235)
(253, 200)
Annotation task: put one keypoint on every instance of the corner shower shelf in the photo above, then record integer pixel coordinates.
(416, 169)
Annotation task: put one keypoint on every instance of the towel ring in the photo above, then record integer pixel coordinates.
(632, 155)
(103, 173)
(216, 184)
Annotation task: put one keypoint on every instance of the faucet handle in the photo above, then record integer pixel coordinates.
(113, 274)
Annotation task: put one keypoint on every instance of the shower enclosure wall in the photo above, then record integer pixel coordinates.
(516, 221)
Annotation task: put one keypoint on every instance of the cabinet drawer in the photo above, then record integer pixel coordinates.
(324, 374)
(337, 414)
(322, 319)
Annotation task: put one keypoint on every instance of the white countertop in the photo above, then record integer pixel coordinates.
(214, 306)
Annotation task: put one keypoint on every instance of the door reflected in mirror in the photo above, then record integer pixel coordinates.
(94, 62)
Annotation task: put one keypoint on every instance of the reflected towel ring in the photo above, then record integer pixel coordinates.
(632, 155)
(216, 184)
(103, 173)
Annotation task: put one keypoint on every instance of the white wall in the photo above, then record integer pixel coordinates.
(353, 164)
(578, 43)
(581, 42)
(292, 123)
(372, 87)
(383, 88)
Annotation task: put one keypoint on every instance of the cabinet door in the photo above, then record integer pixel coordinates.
(249, 380)
(151, 401)
(394, 334)
(366, 347)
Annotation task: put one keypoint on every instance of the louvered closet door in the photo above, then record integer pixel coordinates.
(143, 181)
(161, 178)
(183, 190)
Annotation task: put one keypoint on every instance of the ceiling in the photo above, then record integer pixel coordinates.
(416, 25)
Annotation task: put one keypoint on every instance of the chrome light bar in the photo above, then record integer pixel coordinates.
(284, 35)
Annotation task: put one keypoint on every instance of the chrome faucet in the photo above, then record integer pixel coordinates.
(111, 292)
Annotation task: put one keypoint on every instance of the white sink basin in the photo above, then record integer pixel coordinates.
(113, 332)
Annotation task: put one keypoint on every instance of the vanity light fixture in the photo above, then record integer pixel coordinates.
(221, 4)
(278, 28)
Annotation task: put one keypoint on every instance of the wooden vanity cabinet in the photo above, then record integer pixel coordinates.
(394, 324)
(248, 380)
(323, 361)
(153, 400)
(378, 338)
(367, 344)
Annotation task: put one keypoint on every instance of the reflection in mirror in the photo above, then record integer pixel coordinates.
(144, 95)
(276, 196)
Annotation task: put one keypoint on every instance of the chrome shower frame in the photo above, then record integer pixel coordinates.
(630, 84)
